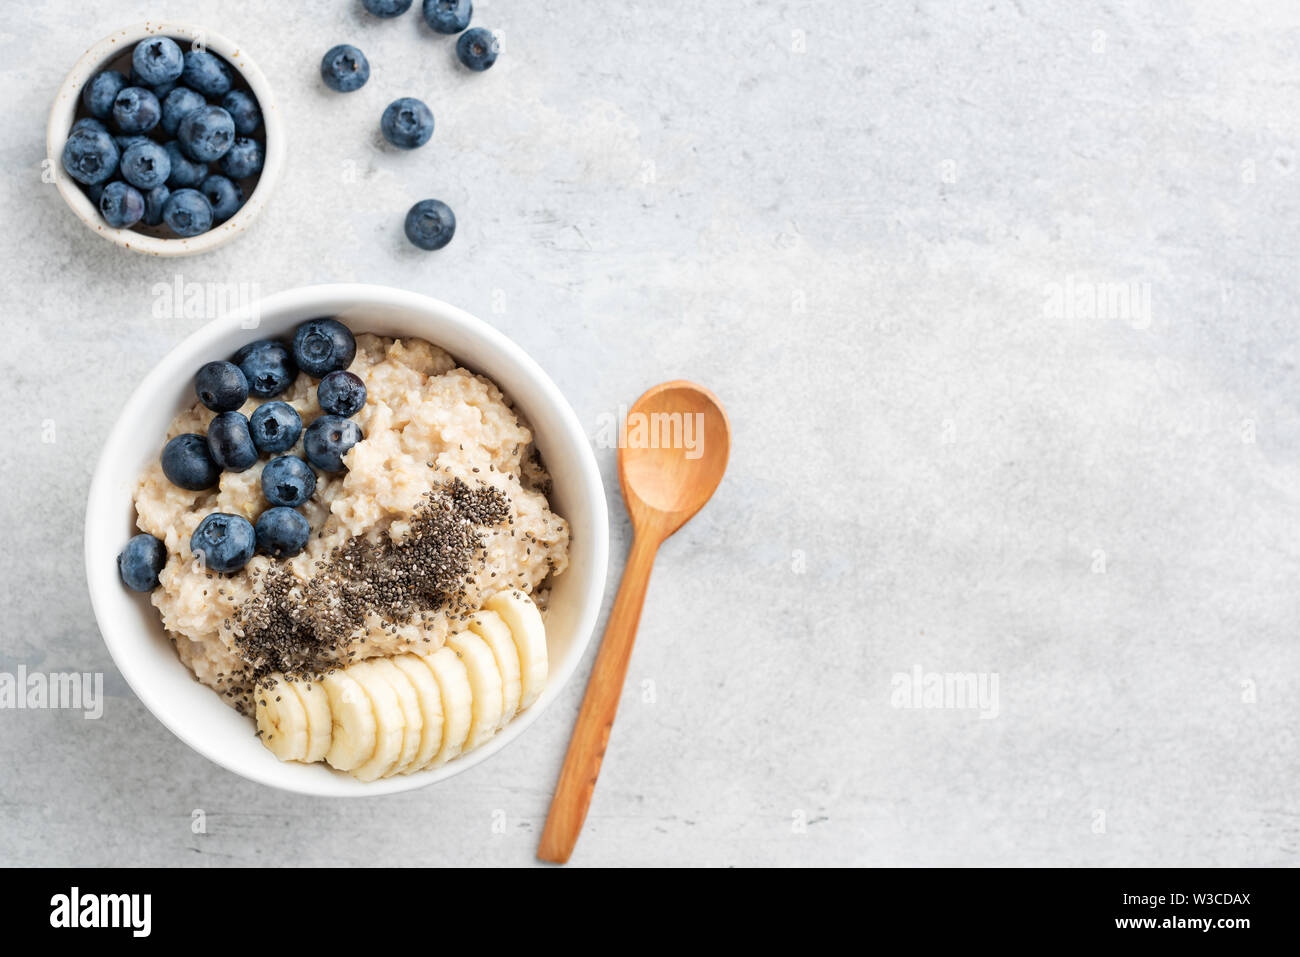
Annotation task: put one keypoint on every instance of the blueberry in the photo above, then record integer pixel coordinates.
(180, 102)
(387, 8)
(124, 143)
(90, 156)
(101, 91)
(136, 110)
(288, 480)
(275, 427)
(341, 393)
(89, 123)
(162, 89)
(154, 201)
(141, 561)
(207, 73)
(225, 196)
(187, 212)
(157, 60)
(282, 532)
(230, 442)
(243, 109)
(447, 16)
(185, 172)
(407, 123)
(244, 159)
(206, 133)
(327, 439)
(344, 68)
(121, 205)
(268, 366)
(146, 165)
(430, 224)
(225, 541)
(221, 386)
(188, 464)
(96, 191)
(478, 49)
(322, 345)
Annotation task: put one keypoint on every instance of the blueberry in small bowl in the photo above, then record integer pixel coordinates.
(159, 109)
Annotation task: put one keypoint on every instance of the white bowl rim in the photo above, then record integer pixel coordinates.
(64, 110)
(319, 297)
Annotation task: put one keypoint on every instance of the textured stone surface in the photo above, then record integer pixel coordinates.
(853, 222)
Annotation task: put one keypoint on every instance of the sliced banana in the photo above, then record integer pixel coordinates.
(319, 723)
(457, 702)
(489, 626)
(484, 682)
(354, 731)
(388, 721)
(420, 675)
(282, 720)
(409, 703)
(520, 614)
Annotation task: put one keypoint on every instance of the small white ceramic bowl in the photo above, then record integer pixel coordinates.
(64, 113)
(130, 624)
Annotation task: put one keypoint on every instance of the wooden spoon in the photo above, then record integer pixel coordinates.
(669, 463)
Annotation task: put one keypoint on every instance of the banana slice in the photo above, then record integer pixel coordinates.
(389, 721)
(457, 702)
(355, 731)
(319, 723)
(525, 622)
(409, 703)
(489, 626)
(484, 681)
(420, 675)
(282, 720)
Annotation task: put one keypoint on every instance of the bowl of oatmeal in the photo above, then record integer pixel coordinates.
(472, 488)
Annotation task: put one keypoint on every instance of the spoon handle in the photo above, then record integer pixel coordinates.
(599, 707)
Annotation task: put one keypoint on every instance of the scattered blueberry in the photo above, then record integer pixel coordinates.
(188, 464)
(322, 345)
(230, 442)
(407, 123)
(146, 165)
(447, 16)
(268, 366)
(288, 480)
(185, 172)
(180, 103)
(207, 73)
(341, 393)
(478, 49)
(275, 427)
(121, 205)
(243, 160)
(344, 68)
(90, 156)
(206, 133)
(225, 541)
(243, 109)
(101, 91)
(136, 110)
(141, 561)
(282, 532)
(154, 201)
(327, 439)
(430, 224)
(188, 212)
(221, 386)
(157, 60)
(387, 8)
(88, 123)
(225, 196)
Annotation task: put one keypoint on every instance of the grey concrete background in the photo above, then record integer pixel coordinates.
(850, 221)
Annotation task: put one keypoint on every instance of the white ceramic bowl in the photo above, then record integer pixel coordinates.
(64, 112)
(130, 624)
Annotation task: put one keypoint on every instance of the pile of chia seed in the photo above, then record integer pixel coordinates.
(304, 629)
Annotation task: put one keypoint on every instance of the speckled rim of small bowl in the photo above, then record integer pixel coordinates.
(63, 115)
